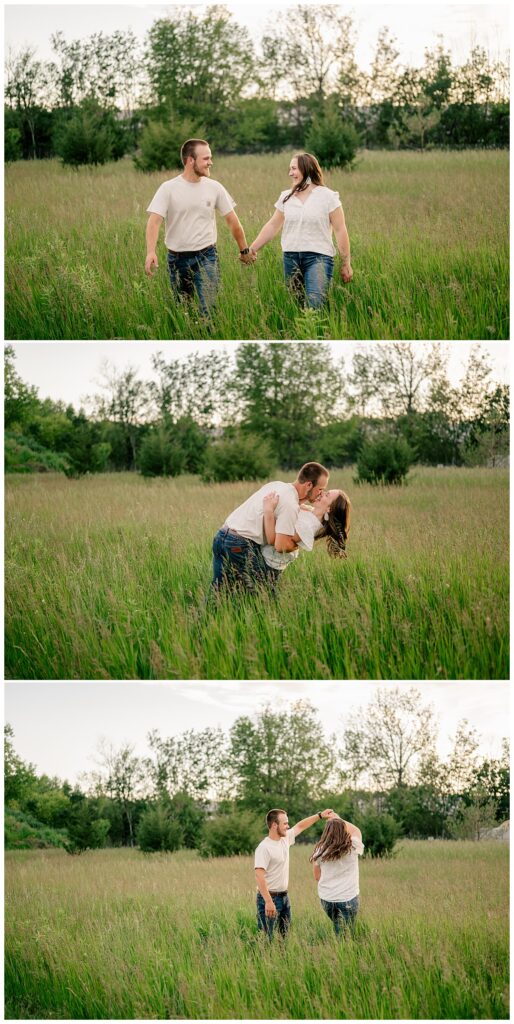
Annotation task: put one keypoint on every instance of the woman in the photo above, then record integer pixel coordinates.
(328, 517)
(307, 214)
(335, 863)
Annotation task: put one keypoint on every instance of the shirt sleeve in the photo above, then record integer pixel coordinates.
(287, 515)
(262, 856)
(280, 201)
(291, 837)
(307, 526)
(357, 845)
(159, 202)
(224, 202)
(334, 201)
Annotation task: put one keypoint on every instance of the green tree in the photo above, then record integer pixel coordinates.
(230, 835)
(91, 135)
(123, 400)
(384, 459)
(158, 831)
(120, 776)
(305, 48)
(160, 142)
(192, 763)
(281, 758)
(20, 399)
(19, 777)
(333, 142)
(25, 89)
(238, 457)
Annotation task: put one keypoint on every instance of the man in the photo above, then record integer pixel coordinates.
(188, 205)
(272, 869)
(237, 554)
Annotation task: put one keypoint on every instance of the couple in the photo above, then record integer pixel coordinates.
(264, 534)
(335, 862)
(307, 213)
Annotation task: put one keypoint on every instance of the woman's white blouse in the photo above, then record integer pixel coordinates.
(307, 226)
(306, 526)
(339, 880)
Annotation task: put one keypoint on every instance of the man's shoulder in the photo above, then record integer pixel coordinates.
(171, 183)
(216, 184)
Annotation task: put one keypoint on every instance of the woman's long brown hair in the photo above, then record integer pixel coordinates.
(337, 527)
(310, 168)
(335, 842)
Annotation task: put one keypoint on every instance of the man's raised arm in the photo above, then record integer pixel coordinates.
(307, 822)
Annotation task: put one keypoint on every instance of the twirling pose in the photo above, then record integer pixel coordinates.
(307, 214)
(335, 863)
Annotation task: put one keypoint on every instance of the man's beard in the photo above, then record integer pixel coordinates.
(201, 174)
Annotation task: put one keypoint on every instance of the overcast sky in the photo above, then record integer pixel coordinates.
(69, 371)
(415, 25)
(58, 725)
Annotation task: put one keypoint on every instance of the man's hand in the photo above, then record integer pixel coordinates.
(151, 261)
(346, 272)
(248, 257)
(270, 909)
(270, 501)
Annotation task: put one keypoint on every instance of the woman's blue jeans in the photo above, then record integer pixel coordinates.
(341, 914)
(195, 271)
(309, 274)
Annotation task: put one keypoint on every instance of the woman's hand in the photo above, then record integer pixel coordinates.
(270, 501)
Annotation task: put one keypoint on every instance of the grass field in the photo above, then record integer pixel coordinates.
(115, 934)
(429, 234)
(107, 578)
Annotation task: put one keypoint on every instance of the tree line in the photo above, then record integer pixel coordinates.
(239, 415)
(209, 790)
(201, 74)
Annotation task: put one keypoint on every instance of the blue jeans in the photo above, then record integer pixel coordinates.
(190, 271)
(341, 914)
(309, 273)
(238, 562)
(282, 920)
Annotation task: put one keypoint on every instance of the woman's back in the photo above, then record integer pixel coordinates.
(340, 878)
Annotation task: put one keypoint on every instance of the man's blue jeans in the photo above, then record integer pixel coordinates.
(237, 562)
(282, 920)
(195, 271)
(342, 914)
(309, 273)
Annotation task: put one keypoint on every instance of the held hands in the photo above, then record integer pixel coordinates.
(329, 813)
(151, 261)
(270, 501)
(248, 257)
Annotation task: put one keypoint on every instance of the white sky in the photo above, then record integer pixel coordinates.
(416, 26)
(69, 371)
(58, 725)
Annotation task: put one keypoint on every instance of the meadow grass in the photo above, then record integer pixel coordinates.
(119, 934)
(108, 577)
(429, 234)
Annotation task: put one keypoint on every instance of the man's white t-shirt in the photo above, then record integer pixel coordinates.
(273, 856)
(339, 880)
(189, 210)
(248, 518)
(307, 226)
(307, 526)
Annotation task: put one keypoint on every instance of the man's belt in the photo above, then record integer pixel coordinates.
(284, 893)
(191, 252)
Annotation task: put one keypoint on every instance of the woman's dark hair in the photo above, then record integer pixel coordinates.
(337, 527)
(310, 168)
(335, 841)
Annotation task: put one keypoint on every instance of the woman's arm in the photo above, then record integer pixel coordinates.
(316, 870)
(352, 829)
(343, 242)
(269, 504)
(269, 231)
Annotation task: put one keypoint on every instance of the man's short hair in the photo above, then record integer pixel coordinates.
(189, 149)
(311, 473)
(272, 816)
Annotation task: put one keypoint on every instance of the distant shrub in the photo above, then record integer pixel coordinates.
(244, 457)
(24, 455)
(230, 834)
(384, 460)
(160, 143)
(160, 455)
(159, 831)
(379, 834)
(12, 145)
(24, 832)
(90, 136)
(333, 142)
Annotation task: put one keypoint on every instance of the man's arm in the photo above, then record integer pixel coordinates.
(307, 822)
(270, 909)
(152, 234)
(237, 232)
(284, 542)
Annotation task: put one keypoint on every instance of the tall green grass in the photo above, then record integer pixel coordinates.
(429, 234)
(107, 577)
(115, 934)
